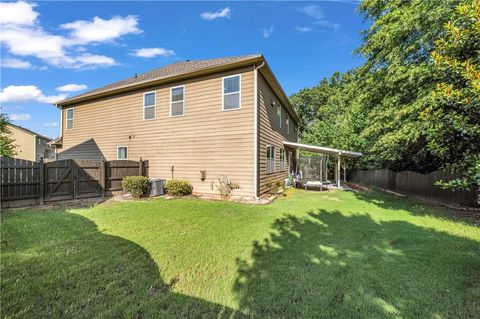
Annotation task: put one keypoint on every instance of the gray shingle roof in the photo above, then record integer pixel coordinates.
(167, 71)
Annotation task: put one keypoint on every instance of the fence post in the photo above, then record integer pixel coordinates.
(140, 167)
(42, 182)
(102, 176)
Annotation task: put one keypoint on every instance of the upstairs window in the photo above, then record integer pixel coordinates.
(177, 100)
(231, 92)
(287, 123)
(278, 112)
(282, 159)
(122, 152)
(69, 119)
(270, 159)
(149, 102)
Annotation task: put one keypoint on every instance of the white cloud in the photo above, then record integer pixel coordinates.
(313, 11)
(320, 21)
(100, 30)
(221, 13)
(20, 117)
(326, 24)
(305, 29)
(71, 87)
(49, 48)
(17, 13)
(51, 124)
(27, 93)
(153, 52)
(24, 41)
(12, 63)
(267, 32)
(23, 36)
(92, 60)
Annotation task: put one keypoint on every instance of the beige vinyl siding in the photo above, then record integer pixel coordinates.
(24, 144)
(205, 138)
(271, 134)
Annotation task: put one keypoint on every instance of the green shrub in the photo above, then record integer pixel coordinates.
(291, 180)
(178, 188)
(225, 186)
(135, 185)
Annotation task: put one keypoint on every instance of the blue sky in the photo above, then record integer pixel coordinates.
(51, 50)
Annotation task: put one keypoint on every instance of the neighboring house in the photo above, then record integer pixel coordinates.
(30, 145)
(220, 117)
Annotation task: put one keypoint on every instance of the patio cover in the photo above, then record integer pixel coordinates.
(322, 150)
(328, 151)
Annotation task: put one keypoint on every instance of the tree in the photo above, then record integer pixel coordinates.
(309, 102)
(7, 148)
(453, 111)
(399, 76)
(330, 115)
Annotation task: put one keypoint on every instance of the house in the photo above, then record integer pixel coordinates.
(30, 145)
(192, 120)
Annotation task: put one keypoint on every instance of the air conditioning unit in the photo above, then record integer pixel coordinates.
(156, 186)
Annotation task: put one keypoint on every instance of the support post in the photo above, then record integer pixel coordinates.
(344, 173)
(321, 168)
(42, 182)
(140, 167)
(338, 170)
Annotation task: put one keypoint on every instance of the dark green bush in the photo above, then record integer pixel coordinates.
(135, 185)
(178, 188)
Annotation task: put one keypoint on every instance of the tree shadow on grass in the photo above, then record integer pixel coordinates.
(58, 264)
(337, 266)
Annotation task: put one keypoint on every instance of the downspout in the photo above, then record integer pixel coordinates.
(255, 129)
(61, 130)
(34, 148)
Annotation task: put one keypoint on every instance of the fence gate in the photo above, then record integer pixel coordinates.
(86, 175)
(71, 179)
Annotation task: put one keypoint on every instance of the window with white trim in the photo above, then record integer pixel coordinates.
(279, 114)
(69, 118)
(231, 92)
(177, 100)
(270, 159)
(149, 103)
(122, 152)
(282, 159)
(287, 123)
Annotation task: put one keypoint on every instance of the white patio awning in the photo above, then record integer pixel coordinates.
(322, 150)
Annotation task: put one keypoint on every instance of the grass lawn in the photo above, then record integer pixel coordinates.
(336, 254)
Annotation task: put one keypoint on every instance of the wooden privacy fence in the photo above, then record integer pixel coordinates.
(418, 186)
(31, 183)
